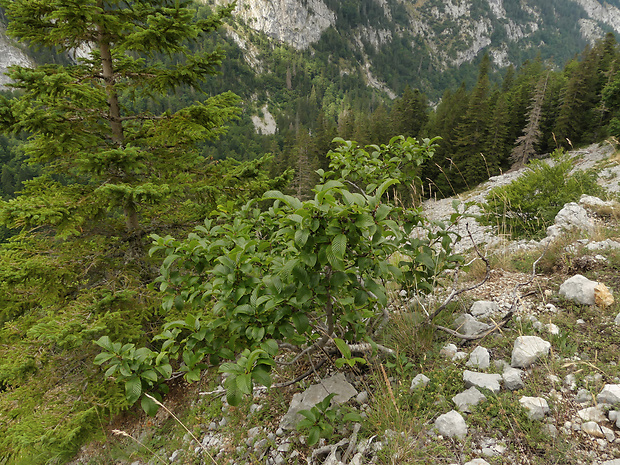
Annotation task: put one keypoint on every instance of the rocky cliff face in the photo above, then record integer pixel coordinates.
(452, 31)
(295, 22)
(10, 55)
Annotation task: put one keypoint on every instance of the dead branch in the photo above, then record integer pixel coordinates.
(456, 292)
(508, 316)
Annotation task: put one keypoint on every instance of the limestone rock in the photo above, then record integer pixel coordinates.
(617, 320)
(479, 358)
(609, 395)
(602, 296)
(468, 325)
(571, 217)
(512, 378)
(552, 329)
(579, 289)
(449, 350)
(537, 407)
(596, 205)
(451, 425)
(527, 349)
(592, 414)
(484, 308)
(477, 462)
(467, 399)
(482, 380)
(299, 24)
(594, 429)
(315, 394)
(420, 380)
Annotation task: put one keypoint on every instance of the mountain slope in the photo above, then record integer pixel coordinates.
(415, 42)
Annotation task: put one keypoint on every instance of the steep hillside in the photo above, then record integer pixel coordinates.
(424, 43)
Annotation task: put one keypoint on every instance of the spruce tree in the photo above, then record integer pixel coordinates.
(525, 146)
(472, 164)
(410, 113)
(84, 117)
(112, 170)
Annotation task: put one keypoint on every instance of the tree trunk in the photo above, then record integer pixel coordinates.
(114, 112)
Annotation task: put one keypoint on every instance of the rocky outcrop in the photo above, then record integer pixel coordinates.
(602, 11)
(10, 55)
(294, 22)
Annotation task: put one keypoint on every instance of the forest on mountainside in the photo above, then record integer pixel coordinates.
(103, 165)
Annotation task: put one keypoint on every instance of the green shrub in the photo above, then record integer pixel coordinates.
(527, 206)
(308, 274)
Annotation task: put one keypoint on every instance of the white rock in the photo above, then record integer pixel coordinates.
(449, 350)
(468, 325)
(594, 429)
(583, 396)
(537, 407)
(479, 358)
(579, 289)
(609, 395)
(477, 462)
(570, 381)
(571, 216)
(314, 394)
(552, 329)
(617, 320)
(467, 399)
(420, 380)
(527, 349)
(459, 356)
(512, 378)
(592, 414)
(451, 425)
(484, 308)
(489, 381)
(298, 24)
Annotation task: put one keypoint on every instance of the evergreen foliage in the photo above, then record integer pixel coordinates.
(110, 167)
(528, 205)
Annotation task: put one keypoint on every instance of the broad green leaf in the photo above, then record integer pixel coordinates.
(105, 342)
(244, 383)
(233, 396)
(352, 416)
(149, 406)
(314, 436)
(133, 389)
(262, 377)
(193, 376)
(343, 347)
(339, 245)
(309, 414)
(165, 370)
(378, 290)
(382, 211)
(149, 375)
(308, 259)
(103, 357)
(364, 221)
(301, 322)
(258, 333)
(301, 237)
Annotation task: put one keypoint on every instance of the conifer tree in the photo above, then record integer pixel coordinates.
(83, 117)
(472, 164)
(409, 113)
(525, 146)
